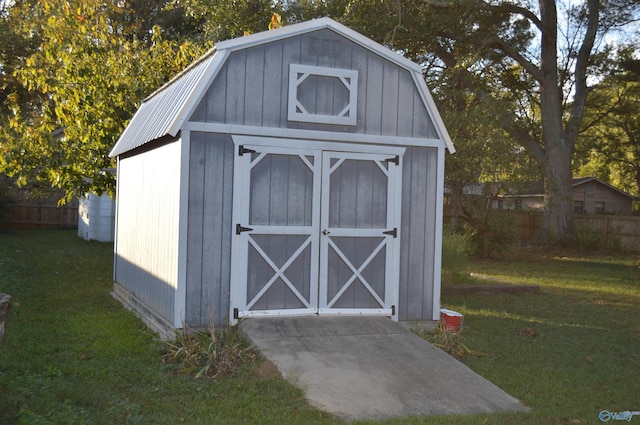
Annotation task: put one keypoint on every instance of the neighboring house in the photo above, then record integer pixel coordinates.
(294, 171)
(590, 196)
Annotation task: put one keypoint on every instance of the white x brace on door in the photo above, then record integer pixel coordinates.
(315, 232)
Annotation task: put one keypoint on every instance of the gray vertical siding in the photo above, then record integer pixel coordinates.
(252, 88)
(418, 233)
(147, 232)
(389, 104)
(209, 229)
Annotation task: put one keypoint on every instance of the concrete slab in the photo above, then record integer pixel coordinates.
(372, 368)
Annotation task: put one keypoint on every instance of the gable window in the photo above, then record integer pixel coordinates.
(600, 208)
(322, 95)
(578, 207)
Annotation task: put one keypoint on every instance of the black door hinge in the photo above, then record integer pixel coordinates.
(395, 160)
(242, 150)
(240, 229)
(393, 310)
(393, 232)
(235, 313)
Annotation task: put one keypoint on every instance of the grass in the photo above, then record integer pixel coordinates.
(73, 355)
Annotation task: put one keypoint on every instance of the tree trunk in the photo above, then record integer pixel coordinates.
(558, 225)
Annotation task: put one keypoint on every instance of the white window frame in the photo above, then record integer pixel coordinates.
(300, 73)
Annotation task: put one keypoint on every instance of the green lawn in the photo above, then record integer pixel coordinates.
(73, 355)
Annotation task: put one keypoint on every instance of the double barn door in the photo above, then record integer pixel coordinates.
(316, 232)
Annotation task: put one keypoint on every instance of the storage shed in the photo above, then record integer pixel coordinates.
(294, 171)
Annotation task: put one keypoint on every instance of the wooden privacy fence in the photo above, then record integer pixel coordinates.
(30, 216)
(615, 231)
(621, 232)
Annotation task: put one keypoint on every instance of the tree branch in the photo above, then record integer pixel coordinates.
(582, 63)
(501, 45)
(502, 7)
(529, 143)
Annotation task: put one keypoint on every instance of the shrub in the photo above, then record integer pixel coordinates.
(209, 353)
(491, 234)
(455, 257)
(455, 250)
(588, 238)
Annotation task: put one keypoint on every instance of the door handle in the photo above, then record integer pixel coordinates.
(325, 232)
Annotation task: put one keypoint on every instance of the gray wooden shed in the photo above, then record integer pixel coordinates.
(294, 171)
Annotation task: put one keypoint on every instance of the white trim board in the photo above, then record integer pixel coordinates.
(180, 301)
(437, 247)
(310, 135)
(297, 110)
(314, 145)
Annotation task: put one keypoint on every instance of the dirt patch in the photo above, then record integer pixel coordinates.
(268, 369)
(489, 289)
(496, 286)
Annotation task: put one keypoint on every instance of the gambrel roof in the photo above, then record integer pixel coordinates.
(166, 110)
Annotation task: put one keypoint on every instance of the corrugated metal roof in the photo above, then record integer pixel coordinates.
(161, 113)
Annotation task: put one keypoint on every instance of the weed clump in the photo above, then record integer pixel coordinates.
(447, 340)
(210, 353)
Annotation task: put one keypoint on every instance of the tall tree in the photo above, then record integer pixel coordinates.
(536, 58)
(91, 72)
(549, 92)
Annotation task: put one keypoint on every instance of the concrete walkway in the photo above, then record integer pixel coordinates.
(372, 368)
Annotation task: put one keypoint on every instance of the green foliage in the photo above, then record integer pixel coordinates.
(90, 74)
(589, 239)
(221, 20)
(491, 235)
(6, 198)
(455, 250)
(211, 354)
(486, 229)
(609, 145)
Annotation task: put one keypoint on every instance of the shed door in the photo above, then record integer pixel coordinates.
(359, 229)
(315, 232)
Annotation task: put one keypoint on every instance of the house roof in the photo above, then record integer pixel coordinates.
(165, 111)
(537, 188)
(583, 180)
